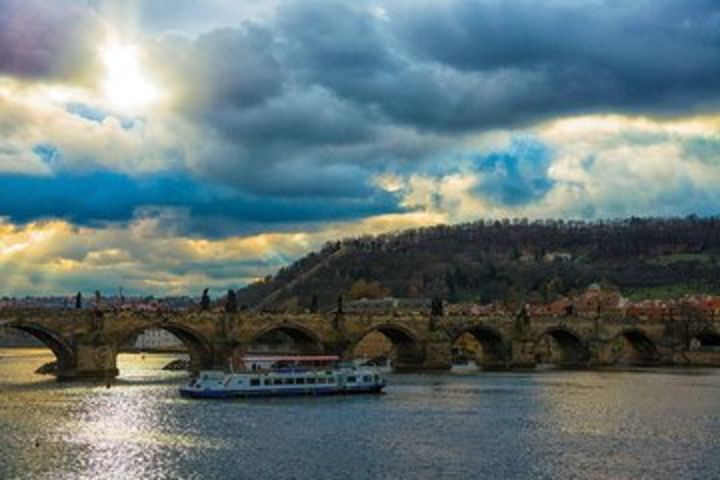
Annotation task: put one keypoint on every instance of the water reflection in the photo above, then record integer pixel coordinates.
(604, 418)
(554, 424)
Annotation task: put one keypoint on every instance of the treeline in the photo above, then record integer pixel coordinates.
(509, 261)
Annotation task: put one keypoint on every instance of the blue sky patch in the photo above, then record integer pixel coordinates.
(517, 176)
(48, 153)
(104, 196)
(96, 114)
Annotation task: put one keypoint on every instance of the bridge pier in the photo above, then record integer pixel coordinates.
(522, 354)
(92, 362)
(435, 355)
(438, 351)
(221, 356)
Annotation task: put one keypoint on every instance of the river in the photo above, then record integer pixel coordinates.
(660, 424)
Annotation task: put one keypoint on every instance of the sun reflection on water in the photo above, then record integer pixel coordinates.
(556, 424)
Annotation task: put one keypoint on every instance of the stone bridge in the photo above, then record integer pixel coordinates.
(86, 342)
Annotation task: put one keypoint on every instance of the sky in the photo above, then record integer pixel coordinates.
(166, 146)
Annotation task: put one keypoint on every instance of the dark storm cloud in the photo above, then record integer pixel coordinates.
(292, 118)
(329, 74)
(472, 64)
(229, 68)
(46, 39)
(299, 119)
(335, 39)
(301, 103)
(270, 131)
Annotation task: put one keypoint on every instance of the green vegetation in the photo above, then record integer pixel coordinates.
(510, 261)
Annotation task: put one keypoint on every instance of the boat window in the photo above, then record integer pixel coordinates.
(267, 381)
(321, 380)
(289, 381)
(331, 380)
(310, 381)
(351, 379)
(277, 381)
(377, 378)
(254, 382)
(300, 381)
(367, 378)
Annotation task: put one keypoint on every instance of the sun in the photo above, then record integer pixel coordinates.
(125, 86)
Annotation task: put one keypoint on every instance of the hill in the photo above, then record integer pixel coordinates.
(503, 261)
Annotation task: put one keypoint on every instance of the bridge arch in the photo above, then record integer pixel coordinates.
(303, 339)
(408, 351)
(494, 346)
(561, 345)
(60, 347)
(199, 348)
(635, 347)
(706, 340)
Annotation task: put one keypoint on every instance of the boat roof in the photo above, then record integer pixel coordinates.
(290, 357)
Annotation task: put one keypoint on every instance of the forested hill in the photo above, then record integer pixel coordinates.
(508, 261)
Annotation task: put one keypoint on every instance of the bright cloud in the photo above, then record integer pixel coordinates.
(163, 148)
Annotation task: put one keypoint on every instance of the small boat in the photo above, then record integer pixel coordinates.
(284, 381)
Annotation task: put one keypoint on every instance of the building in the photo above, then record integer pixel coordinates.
(388, 304)
(157, 339)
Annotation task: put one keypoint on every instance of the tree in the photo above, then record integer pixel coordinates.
(436, 307)
(205, 300)
(364, 289)
(231, 305)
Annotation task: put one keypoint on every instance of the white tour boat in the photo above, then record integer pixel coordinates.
(286, 376)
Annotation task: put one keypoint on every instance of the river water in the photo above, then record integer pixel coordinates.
(660, 424)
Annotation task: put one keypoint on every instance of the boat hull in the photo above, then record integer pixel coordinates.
(226, 394)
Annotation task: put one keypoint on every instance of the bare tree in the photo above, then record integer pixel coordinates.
(231, 305)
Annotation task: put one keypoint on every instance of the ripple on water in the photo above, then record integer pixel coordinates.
(554, 424)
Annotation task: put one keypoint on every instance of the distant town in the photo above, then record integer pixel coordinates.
(594, 300)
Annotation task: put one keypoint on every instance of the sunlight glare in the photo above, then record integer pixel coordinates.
(125, 86)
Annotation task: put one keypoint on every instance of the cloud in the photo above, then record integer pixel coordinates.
(456, 66)
(55, 257)
(192, 207)
(59, 258)
(315, 119)
(228, 68)
(47, 41)
(658, 57)
(589, 167)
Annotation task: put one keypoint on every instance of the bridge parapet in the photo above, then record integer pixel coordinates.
(87, 341)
